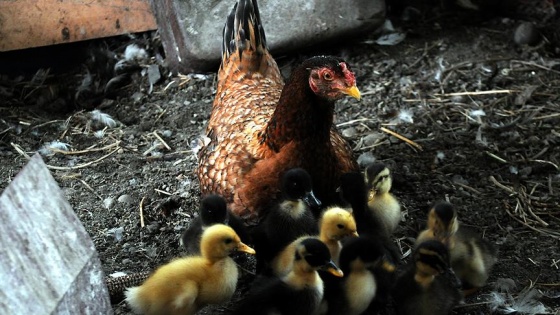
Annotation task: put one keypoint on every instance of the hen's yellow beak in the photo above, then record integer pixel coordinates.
(352, 91)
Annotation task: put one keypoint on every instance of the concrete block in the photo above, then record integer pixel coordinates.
(191, 30)
(48, 263)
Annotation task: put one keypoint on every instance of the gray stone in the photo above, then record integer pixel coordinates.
(48, 263)
(191, 30)
(126, 199)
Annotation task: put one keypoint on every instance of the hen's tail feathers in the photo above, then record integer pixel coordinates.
(244, 33)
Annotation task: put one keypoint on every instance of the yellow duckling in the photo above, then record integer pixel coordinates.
(428, 285)
(185, 285)
(380, 201)
(472, 257)
(335, 224)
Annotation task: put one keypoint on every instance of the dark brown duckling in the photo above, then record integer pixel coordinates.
(353, 190)
(354, 293)
(300, 292)
(287, 220)
(428, 285)
(213, 210)
(472, 257)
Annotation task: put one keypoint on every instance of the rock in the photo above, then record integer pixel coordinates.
(365, 159)
(125, 199)
(526, 34)
(48, 263)
(108, 202)
(191, 30)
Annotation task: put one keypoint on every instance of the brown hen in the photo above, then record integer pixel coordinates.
(259, 127)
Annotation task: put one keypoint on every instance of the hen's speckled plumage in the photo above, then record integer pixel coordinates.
(258, 128)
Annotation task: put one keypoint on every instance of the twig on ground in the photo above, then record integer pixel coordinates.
(351, 122)
(87, 150)
(65, 168)
(161, 140)
(142, 212)
(163, 192)
(548, 232)
(403, 138)
(532, 64)
(478, 93)
(492, 155)
(90, 189)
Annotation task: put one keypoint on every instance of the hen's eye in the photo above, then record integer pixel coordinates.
(327, 76)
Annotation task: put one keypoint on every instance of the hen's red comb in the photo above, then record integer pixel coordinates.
(348, 75)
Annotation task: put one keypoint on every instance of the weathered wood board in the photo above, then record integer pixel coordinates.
(48, 263)
(33, 23)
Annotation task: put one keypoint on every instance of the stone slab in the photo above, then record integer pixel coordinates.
(48, 263)
(191, 30)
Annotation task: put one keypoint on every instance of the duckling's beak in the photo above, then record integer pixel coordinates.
(354, 234)
(387, 266)
(331, 268)
(246, 249)
(353, 92)
(371, 194)
(450, 275)
(311, 200)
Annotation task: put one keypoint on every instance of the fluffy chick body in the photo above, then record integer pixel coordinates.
(380, 201)
(355, 293)
(427, 286)
(287, 220)
(212, 210)
(335, 224)
(185, 285)
(472, 257)
(300, 291)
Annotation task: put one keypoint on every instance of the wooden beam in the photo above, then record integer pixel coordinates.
(33, 23)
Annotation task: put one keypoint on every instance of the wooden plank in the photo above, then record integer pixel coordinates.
(48, 263)
(33, 23)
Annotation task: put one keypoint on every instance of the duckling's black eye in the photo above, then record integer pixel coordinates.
(228, 240)
(340, 226)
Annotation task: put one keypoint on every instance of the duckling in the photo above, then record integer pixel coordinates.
(212, 210)
(354, 191)
(354, 293)
(287, 220)
(472, 257)
(298, 292)
(442, 224)
(336, 224)
(185, 285)
(380, 201)
(428, 286)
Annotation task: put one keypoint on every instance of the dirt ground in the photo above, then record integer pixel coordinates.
(493, 154)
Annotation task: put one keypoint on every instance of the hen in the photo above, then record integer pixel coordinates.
(259, 127)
